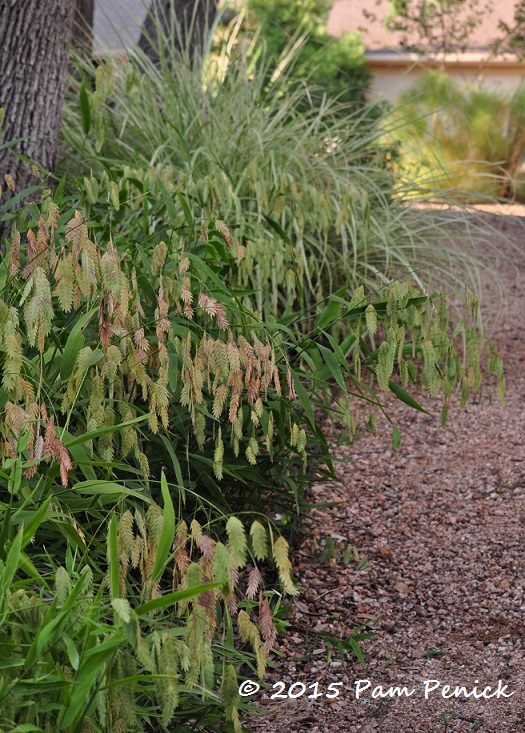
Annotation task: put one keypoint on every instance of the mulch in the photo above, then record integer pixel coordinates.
(426, 548)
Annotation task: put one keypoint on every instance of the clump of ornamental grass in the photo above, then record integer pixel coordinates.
(140, 637)
(307, 187)
(134, 376)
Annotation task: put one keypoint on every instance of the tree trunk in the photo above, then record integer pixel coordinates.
(34, 50)
(187, 21)
(83, 25)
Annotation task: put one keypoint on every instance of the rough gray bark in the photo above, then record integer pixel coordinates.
(34, 49)
(188, 20)
(83, 25)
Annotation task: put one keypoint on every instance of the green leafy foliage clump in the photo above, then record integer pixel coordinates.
(333, 66)
(136, 647)
(465, 139)
(132, 381)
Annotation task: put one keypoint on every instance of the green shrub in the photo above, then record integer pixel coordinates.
(333, 66)
(465, 139)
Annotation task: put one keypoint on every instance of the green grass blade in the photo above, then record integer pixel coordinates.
(171, 598)
(113, 559)
(167, 532)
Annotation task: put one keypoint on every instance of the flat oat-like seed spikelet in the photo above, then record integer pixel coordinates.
(126, 530)
(244, 624)
(207, 546)
(261, 662)
(223, 229)
(221, 360)
(234, 357)
(14, 251)
(10, 182)
(237, 540)
(221, 394)
(65, 282)
(154, 518)
(234, 404)
(252, 451)
(230, 696)
(371, 318)
(276, 380)
(268, 630)
(64, 461)
(31, 253)
(254, 583)
(114, 195)
(62, 584)
(259, 540)
(220, 317)
(218, 456)
(193, 575)
(284, 566)
(196, 531)
(76, 230)
(207, 304)
(222, 563)
(122, 609)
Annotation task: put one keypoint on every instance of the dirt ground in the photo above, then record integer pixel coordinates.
(434, 564)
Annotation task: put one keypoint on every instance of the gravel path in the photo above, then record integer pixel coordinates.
(434, 563)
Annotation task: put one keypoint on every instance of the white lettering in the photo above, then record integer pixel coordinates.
(359, 687)
(429, 689)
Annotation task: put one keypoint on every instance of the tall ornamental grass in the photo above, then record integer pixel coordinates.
(307, 187)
